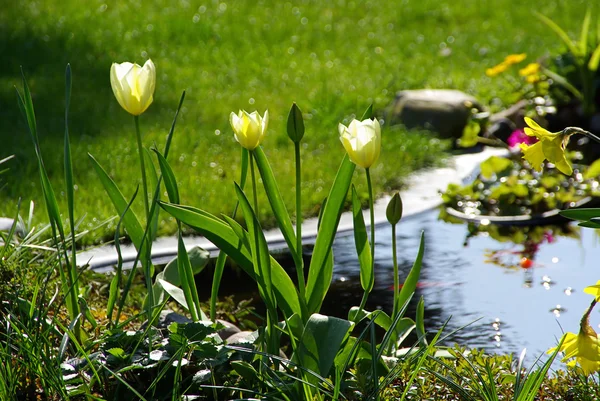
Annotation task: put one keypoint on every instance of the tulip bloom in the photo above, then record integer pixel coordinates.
(551, 146)
(362, 141)
(133, 85)
(249, 129)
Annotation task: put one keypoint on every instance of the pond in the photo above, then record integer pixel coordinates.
(507, 306)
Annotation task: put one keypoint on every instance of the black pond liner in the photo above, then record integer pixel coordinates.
(550, 217)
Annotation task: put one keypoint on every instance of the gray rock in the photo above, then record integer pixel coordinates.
(242, 338)
(444, 111)
(229, 329)
(167, 317)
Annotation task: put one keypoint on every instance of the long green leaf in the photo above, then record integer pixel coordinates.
(363, 248)
(560, 32)
(220, 234)
(595, 59)
(321, 341)
(585, 30)
(581, 214)
(168, 177)
(260, 251)
(130, 220)
(320, 272)
(410, 284)
(276, 201)
(188, 284)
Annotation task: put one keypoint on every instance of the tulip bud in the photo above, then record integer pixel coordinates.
(394, 209)
(362, 141)
(133, 85)
(249, 129)
(295, 124)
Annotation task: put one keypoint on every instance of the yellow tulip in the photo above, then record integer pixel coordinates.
(362, 141)
(551, 146)
(249, 129)
(133, 85)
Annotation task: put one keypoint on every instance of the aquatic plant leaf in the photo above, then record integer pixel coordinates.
(494, 165)
(321, 341)
(584, 214)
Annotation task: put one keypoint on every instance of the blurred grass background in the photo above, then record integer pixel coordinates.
(333, 58)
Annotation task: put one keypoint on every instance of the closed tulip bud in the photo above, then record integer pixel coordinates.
(394, 209)
(362, 141)
(249, 129)
(133, 85)
(295, 124)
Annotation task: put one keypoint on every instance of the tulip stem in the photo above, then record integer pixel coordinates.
(254, 194)
(142, 167)
(300, 263)
(372, 212)
(363, 302)
(147, 274)
(396, 278)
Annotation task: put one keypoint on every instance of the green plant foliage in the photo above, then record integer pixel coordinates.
(508, 187)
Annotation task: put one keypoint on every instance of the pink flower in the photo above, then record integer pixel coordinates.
(518, 137)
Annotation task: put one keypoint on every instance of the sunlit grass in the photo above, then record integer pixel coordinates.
(331, 57)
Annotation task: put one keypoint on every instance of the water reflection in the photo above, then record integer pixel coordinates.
(507, 304)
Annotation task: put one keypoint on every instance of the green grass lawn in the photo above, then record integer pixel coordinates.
(331, 57)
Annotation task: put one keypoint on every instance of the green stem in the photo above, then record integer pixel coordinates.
(372, 212)
(363, 302)
(396, 280)
(147, 274)
(142, 167)
(300, 263)
(253, 177)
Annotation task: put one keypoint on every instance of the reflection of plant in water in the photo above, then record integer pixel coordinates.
(507, 187)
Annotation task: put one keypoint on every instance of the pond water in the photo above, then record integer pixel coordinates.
(509, 307)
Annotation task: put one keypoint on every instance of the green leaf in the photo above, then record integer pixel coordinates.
(260, 251)
(581, 214)
(198, 257)
(571, 45)
(595, 59)
(363, 248)
(220, 234)
(321, 341)
(275, 200)
(168, 177)
(320, 272)
(175, 292)
(245, 370)
(494, 165)
(585, 29)
(589, 224)
(420, 321)
(368, 113)
(188, 284)
(410, 284)
(470, 135)
(130, 220)
(295, 124)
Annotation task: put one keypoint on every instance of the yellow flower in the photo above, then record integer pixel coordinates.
(133, 85)
(495, 70)
(515, 58)
(551, 146)
(593, 290)
(531, 79)
(249, 129)
(530, 69)
(362, 141)
(584, 347)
